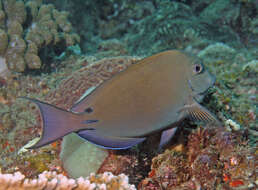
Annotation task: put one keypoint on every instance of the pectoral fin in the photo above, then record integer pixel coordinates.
(196, 112)
(108, 142)
(166, 136)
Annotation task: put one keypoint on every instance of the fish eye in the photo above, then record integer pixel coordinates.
(198, 68)
(88, 110)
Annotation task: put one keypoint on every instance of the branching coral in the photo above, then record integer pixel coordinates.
(27, 28)
(51, 181)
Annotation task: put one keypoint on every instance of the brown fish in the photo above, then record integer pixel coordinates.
(156, 93)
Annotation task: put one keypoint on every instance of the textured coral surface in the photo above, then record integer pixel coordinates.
(222, 33)
(52, 181)
(211, 158)
(29, 28)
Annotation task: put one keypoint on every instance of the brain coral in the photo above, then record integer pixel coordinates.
(26, 27)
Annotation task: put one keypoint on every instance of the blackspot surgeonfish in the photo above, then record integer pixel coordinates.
(153, 95)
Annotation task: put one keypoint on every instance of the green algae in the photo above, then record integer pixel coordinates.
(39, 162)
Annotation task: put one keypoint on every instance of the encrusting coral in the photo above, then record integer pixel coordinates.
(52, 180)
(27, 27)
(212, 159)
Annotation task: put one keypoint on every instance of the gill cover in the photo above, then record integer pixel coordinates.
(200, 79)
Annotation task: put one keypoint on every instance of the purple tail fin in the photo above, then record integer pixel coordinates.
(56, 122)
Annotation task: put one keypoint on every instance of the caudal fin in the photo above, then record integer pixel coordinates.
(56, 122)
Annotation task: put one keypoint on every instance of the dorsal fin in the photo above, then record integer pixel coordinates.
(81, 103)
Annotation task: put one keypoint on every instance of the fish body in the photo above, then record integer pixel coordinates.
(156, 93)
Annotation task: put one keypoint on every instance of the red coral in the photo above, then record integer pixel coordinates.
(214, 159)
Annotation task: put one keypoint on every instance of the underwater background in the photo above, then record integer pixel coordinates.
(55, 50)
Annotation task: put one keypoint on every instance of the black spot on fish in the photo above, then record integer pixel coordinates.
(88, 110)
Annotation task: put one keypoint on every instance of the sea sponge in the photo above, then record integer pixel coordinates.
(32, 25)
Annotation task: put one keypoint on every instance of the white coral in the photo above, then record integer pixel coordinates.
(54, 181)
(232, 125)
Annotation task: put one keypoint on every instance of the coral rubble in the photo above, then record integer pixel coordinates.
(212, 159)
(28, 27)
(52, 181)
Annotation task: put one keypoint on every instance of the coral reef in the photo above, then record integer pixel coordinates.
(28, 28)
(111, 48)
(51, 181)
(252, 65)
(164, 24)
(211, 159)
(104, 22)
(176, 25)
(222, 33)
(235, 93)
(217, 51)
(20, 122)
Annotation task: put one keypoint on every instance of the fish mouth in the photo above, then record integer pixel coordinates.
(212, 82)
(213, 79)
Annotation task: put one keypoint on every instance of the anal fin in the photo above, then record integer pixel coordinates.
(166, 136)
(109, 142)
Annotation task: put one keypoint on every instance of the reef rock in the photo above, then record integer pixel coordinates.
(213, 158)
